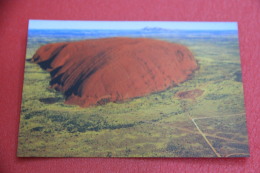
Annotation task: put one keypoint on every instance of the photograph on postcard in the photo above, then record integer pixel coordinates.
(132, 89)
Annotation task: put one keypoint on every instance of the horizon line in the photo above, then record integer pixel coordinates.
(131, 29)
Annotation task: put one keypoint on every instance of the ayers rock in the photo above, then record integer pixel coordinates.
(97, 71)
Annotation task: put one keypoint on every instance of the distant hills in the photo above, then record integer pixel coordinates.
(156, 29)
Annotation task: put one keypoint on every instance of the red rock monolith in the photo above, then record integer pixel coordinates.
(97, 71)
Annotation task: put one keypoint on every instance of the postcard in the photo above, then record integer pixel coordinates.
(132, 89)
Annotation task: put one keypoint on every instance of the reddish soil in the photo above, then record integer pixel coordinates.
(94, 72)
(192, 94)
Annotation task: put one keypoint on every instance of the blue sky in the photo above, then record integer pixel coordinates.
(66, 24)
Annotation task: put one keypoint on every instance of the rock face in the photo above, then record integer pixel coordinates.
(94, 72)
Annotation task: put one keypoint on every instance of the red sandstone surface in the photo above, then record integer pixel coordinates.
(94, 72)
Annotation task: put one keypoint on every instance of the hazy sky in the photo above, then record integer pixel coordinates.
(63, 24)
